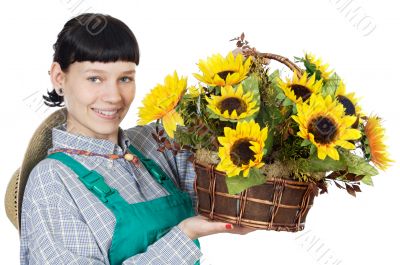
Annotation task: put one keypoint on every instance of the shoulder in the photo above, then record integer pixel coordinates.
(142, 132)
(141, 137)
(44, 184)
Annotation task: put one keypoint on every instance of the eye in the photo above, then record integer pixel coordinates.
(94, 79)
(126, 79)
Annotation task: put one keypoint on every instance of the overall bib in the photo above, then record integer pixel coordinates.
(138, 225)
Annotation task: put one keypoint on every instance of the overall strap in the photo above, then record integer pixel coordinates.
(92, 180)
(155, 170)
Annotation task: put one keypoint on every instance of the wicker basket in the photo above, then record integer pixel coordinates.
(278, 204)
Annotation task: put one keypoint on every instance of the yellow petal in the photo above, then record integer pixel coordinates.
(333, 153)
(322, 152)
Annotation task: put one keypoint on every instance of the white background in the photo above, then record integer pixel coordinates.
(175, 35)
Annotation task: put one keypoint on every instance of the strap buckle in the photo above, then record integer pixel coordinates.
(95, 183)
(102, 190)
(159, 177)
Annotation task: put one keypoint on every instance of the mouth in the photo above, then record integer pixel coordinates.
(108, 114)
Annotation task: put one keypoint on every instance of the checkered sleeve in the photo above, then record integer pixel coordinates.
(52, 230)
(175, 247)
(182, 170)
(186, 174)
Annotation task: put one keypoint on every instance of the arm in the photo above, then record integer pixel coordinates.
(186, 174)
(179, 168)
(175, 247)
(53, 231)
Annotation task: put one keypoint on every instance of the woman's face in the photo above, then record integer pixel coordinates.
(96, 95)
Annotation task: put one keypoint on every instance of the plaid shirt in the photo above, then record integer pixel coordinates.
(62, 222)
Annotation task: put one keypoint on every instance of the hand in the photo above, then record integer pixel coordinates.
(198, 226)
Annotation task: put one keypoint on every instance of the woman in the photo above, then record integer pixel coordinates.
(104, 195)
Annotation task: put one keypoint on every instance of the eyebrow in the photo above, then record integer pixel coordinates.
(102, 71)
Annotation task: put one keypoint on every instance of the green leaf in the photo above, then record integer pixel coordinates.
(271, 116)
(367, 180)
(311, 68)
(250, 84)
(287, 102)
(294, 109)
(270, 141)
(314, 164)
(212, 115)
(272, 77)
(239, 183)
(281, 96)
(358, 165)
(217, 90)
(313, 149)
(298, 59)
(330, 85)
(305, 142)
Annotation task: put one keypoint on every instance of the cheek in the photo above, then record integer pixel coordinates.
(130, 94)
(79, 94)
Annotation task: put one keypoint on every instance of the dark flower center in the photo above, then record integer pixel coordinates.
(301, 91)
(323, 129)
(241, 154)
(349, 107)
(224, 74)
(231, 104)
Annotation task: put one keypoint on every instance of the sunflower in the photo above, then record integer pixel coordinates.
(299, 90)
(320, 69)
(233, 105)
(242, 148)
(348, 100)
(375, 135)
(323, 122)
(160, 103)
(220, 71)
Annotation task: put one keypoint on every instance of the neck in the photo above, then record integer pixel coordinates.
(78, 129)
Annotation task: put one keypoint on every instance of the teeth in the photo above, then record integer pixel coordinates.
(108, 113)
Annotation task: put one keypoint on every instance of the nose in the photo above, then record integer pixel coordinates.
(112, 93)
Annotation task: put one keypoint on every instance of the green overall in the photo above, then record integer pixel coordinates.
(140, 224)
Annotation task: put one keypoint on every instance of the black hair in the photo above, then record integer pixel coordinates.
(92, 37)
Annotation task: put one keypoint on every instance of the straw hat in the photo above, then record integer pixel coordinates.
(37, 150)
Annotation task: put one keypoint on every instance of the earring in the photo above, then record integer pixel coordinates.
(60, 91)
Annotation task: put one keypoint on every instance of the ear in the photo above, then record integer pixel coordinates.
(57, 76)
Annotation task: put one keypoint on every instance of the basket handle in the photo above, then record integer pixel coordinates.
(291, 65)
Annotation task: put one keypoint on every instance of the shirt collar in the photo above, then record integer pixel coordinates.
(64, 139)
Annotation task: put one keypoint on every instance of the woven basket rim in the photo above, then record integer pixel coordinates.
(269, 180)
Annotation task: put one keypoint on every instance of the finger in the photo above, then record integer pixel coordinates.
(208, 219)
(220, 227)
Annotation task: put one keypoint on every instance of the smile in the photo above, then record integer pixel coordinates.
(106, 114)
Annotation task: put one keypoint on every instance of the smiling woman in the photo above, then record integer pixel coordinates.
(89, 192)
(96, 80)
(97, 96)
